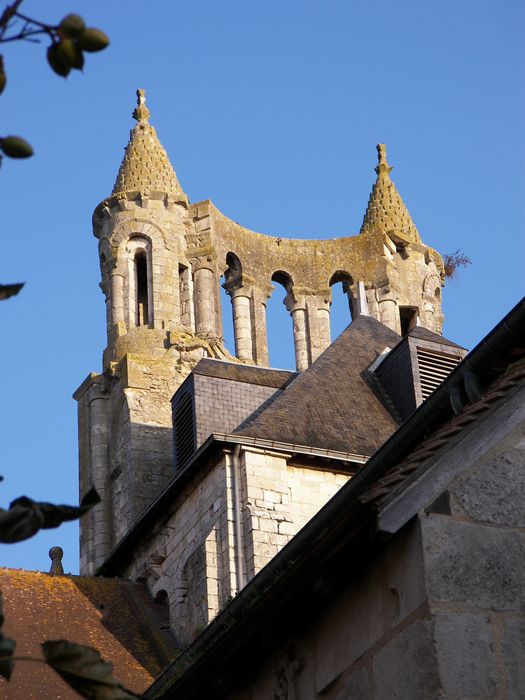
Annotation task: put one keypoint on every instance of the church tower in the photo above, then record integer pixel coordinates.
(162, 263)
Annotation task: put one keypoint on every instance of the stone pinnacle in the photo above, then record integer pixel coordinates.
(146, 167)
(386, 212)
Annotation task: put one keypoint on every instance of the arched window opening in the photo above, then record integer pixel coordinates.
(342, 309)
(163, 606)
(283, 278)
(233, 273)
(141, 287)
(161, 597)
(281, 348)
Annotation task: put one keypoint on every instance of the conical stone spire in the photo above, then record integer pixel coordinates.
(386, 210)
(146, 167)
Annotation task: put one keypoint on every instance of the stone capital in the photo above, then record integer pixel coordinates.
(205, 261)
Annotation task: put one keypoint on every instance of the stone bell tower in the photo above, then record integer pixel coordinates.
(152, 315)
(162, 261)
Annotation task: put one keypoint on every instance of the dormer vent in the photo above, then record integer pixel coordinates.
(434, 368)
(414, 368)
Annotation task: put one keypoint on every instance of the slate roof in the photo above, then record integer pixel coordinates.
(116, 617)
(331, 404)
(421, 333)
(250, 374)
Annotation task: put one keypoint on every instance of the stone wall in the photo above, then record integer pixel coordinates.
(233, 517)
(439, 611)
(373, 641)
(278, 499)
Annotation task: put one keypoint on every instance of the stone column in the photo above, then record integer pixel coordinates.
(99, 436)
(300, 330)
(300, 338)
(260, 296)
(372, 304)
(318, 323)
(242, 323)
(204, 295)
(389, 313)
(186, 308)
(117, 297)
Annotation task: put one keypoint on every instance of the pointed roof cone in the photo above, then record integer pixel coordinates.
(386, 211)
(146, 167)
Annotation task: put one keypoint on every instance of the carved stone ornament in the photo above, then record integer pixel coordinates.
(284, 688)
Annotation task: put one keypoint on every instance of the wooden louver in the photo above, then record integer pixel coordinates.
(434, 368)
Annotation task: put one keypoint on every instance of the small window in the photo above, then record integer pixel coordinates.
(141, 272)
(408, 318)
(184, 430)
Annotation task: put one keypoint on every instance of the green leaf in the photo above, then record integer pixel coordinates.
(26, 517)
(92, 40)
(16, 147)
(83, 670)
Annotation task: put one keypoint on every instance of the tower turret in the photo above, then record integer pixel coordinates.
(156, 333)
(407, 290)
(141, 228)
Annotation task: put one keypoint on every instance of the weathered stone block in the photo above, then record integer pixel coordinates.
(349, 629)
(494, 579)
(406, 667)
(465, 655)
(513, 649)
(404, 572)
(495, 491)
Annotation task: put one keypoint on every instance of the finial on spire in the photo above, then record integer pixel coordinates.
(141, 112)
(382, 164)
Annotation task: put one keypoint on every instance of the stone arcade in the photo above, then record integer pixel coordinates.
(353, 529)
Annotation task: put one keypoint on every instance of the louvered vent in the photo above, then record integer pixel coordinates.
(434, 368)
(184, 430)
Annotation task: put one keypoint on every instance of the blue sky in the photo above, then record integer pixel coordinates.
(272, 110)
